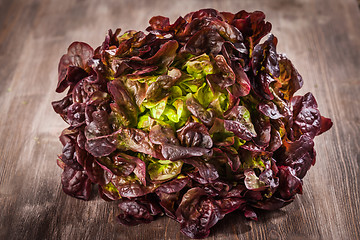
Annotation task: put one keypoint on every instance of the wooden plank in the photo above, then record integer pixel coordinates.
(320, 37)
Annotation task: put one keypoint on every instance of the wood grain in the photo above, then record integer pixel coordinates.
(321, 37)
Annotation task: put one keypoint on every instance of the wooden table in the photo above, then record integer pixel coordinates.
(321, 37)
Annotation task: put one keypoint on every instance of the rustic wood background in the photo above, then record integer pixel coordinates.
(321, 37)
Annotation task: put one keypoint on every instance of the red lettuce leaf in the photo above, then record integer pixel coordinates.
(72, 65)
(137, 211)
(76, 183)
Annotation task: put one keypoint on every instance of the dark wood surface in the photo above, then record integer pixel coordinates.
(321, 37)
